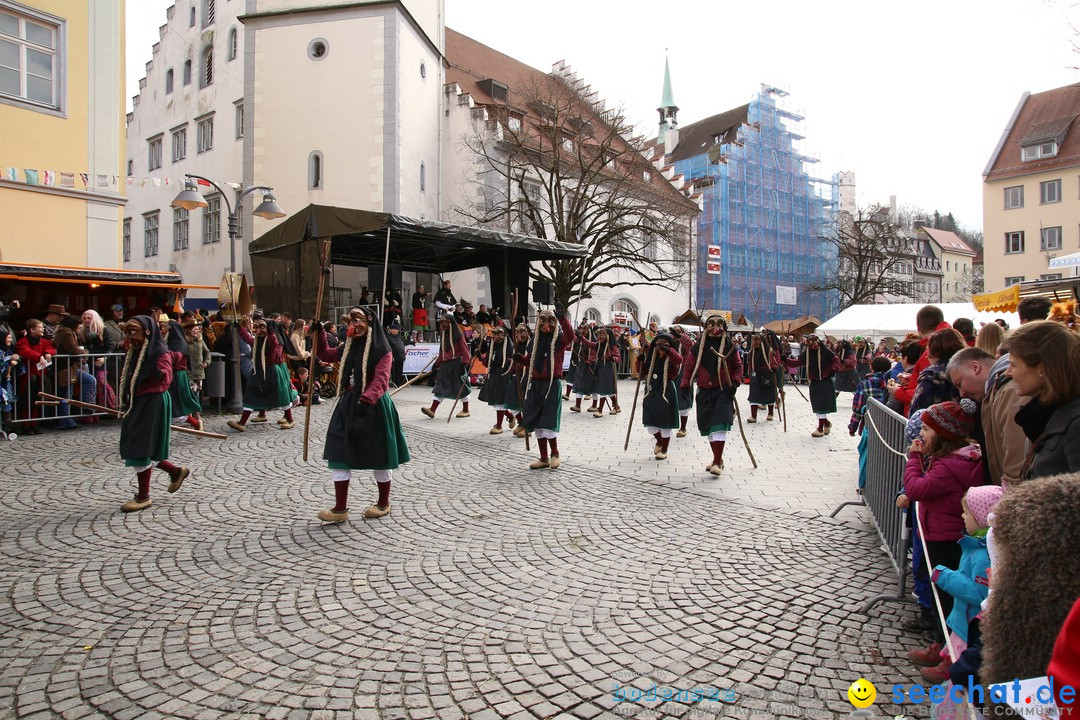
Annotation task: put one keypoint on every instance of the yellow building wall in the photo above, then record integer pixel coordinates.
(997, 221)
(41, 226)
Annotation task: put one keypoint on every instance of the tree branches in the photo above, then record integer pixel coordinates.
(554, 165)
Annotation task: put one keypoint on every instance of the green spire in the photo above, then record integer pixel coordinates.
(669, 100)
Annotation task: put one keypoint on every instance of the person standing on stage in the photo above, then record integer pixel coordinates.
(450, 367)
(419, 314)
(498, 354)
(364, 432)
(762, 361)
(714, 364)
(660, 368)
(269, 386)
(147, 409)
(821, 364)
(543, 399)
(444, 299)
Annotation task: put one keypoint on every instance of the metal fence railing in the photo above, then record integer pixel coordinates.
(75, 377)
(886, 458)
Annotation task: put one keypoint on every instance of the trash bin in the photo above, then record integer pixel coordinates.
(214, 383)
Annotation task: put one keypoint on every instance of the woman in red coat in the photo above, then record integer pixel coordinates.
(34, 349)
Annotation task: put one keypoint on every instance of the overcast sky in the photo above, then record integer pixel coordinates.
(912, 96)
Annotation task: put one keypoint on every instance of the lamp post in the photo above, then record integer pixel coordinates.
(190, 199)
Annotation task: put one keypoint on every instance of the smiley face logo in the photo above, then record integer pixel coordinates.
(862, 693)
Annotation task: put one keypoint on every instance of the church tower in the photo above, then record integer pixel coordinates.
(669, 124)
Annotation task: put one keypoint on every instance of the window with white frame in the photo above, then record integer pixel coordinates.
(180, 229)
(205, 132)
(1040, 150)
(150, 234)
(153, 153)
(127, 239)
(31, 57)
(234, 44)
(1050, 192)
(624, 306)
(592, 316)
(568, 144)
(209, 11)
(1015, 280)
(211, 220)
(1014, 197)
(179, 144)
(239, 119)
(1014, 242)
(514, 123)
(1050, 276)
(1050, 238)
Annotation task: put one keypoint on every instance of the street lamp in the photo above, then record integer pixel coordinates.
(190, 199)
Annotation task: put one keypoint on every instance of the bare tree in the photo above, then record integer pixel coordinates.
(873, 259)
(556, 165)
(971, 282)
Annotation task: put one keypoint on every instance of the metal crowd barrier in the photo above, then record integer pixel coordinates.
(886, 459)
(27, 383)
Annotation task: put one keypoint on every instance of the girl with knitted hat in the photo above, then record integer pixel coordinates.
(968, 585)
(942, 464)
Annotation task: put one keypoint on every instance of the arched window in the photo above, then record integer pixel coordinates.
(592, 316)
(187, 72)
(168, 81)
(315, 170)
(623, 312)
(423, 177)
(207, 74)
(209, 11)
(233, 44)
(192, 22)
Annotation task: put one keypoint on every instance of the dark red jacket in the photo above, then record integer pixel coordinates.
(566, 336)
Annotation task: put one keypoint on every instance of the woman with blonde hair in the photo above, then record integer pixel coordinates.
(1043, 359)
(100, 341)
(990, 337)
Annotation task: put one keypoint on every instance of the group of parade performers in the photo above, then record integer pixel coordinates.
(523, 385)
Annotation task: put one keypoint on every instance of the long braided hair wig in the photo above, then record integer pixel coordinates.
(448, 340)
(505, 348)
(821, 355)
(176, 341)
(140, 363)
(723, 352)
(361, 356)
(666, 370)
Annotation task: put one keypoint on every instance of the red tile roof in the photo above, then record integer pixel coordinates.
(1043, 116)
(949, 241)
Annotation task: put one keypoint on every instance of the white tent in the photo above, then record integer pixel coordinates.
(878, 321)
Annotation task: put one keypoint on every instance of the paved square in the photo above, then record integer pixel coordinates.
(491, 591)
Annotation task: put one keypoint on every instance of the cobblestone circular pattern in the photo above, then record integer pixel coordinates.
(489, 592)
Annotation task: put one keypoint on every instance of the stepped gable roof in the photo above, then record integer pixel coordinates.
(1042, 117)
(697, 138)
(949, 241)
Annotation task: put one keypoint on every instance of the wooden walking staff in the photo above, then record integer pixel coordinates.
(324, 270)
(746, 443)
(54, 400)
(423, 374)
(464, 383)
(637, 389)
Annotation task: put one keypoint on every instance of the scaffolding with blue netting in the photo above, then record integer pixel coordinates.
(768, 215)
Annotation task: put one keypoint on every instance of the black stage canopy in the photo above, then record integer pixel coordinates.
(285, 260)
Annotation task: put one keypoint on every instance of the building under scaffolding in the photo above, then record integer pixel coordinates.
(762, 231)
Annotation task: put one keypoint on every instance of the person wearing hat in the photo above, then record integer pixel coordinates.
(185, 403)
(147, 408)
(714, 364)
(942, 465)
(604, 357)
(762, 361)
(444, 299)
(498, 353)
(660, 368)
(582, 376)
(53, 315)
(419, 313)
(364, 431)
(114, 325)
(969, 584)
(450, 368)
(686, 395)
(397, 349)
(268, 387)
(864, 350)
(821, 364)
(543, 397)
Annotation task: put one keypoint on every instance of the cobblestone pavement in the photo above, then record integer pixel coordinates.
(491, 591)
